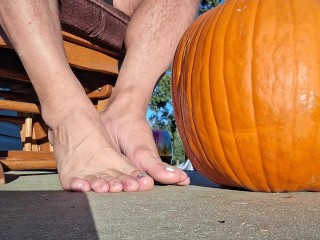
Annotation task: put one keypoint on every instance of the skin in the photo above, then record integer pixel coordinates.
(112, 151)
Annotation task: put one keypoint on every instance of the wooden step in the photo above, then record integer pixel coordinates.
(22, 160)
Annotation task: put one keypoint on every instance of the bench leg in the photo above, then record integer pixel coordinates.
(2, 177)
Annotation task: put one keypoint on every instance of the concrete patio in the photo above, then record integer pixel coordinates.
(33, 206)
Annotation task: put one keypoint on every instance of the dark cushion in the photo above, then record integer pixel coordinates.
(94, 20)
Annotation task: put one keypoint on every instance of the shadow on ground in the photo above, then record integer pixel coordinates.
(34, 207)
(45, 215)
(197, 179)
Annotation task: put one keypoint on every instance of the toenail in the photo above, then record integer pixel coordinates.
(170, 169)
(141, 175)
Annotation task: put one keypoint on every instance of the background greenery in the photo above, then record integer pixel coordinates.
(161, 114)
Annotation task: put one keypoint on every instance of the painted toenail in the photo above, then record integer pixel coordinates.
(141, 175)
(170, 169)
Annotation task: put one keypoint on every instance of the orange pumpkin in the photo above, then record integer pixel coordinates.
(246, 93)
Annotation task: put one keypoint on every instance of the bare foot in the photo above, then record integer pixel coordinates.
(87, 159)
(127, 127)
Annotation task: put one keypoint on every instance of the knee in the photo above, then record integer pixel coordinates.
(130, 6)
(127, 6)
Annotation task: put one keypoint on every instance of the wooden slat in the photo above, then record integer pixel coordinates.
(83, 42)
(14, 155)
(19, 106)
(41, 135)
(83, 57)
(11, 74)
(102, 104)
(27, 164)
(88, 59)
(20, 160)
(18, 96)
(34, 145)
(28, 133)
(16, 120)
(102, 93)
(4, 41)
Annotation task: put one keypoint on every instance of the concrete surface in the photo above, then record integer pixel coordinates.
(33, 206)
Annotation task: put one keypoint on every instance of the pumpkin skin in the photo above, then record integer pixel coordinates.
(245, 88)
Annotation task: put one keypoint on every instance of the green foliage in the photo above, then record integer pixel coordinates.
(160, 105)
(207, 5)
(208, 1)
(179, 154)
(161, 115)
(213, 3)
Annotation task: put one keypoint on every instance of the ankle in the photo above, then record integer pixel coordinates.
(54, 111)
(129, 100)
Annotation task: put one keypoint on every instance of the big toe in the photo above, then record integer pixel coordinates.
(166, 174)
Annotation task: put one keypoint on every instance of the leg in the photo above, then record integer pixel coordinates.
(86, 157)
(151, 39)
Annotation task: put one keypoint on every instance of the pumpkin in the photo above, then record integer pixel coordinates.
(245, 89)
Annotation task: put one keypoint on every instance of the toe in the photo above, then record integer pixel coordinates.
(184, 183)
(166, 174)
(145, 181)
(129, 183)
(115, 185)
(76, 185)
(99, 185)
